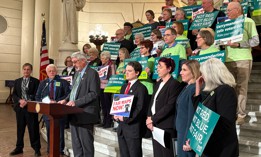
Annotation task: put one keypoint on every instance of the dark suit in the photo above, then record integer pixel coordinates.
(72, 72)
(131, 130)
(61, 92)
(87, 95)
(23, 117)
(164, 114)
(223, 141)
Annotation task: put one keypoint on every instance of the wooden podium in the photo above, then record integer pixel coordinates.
(55, 112)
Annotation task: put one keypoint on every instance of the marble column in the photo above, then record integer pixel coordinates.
(41, 6)
(55, 33)
(27, 36)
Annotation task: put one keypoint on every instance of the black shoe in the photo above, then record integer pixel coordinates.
(15, 152)
(37, 153)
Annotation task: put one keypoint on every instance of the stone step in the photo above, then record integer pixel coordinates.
(250, 145)
(108, 145)
(256, 65)
(111, 135)
(255, 117)
(254, 93)
(250, 130)
(255, 74)
(253, 104)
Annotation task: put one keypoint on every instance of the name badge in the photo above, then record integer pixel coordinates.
(58, 84)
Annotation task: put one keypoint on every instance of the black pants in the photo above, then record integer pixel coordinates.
(159, 150)
(106, 108)
(130, 147)
(23, 119)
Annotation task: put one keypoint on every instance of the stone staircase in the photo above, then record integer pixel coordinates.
(105, 143)
(250, 133)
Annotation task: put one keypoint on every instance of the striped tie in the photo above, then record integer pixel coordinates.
(75, 87)
(24, 88)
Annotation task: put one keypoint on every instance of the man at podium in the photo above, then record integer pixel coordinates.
(85, 93)
(52, 90)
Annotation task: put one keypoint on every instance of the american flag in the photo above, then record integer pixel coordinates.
(44, 54)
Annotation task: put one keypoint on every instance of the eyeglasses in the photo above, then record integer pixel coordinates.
(74, 62)
(167, 35)
(229, 10)
(198, 38)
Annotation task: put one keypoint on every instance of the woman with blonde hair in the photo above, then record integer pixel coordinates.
(184, 106)
(123, 54)
(220, 97)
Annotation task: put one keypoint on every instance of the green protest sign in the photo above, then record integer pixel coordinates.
(203, 20)
(201, 128)
(144, 63)
(202, 58)
(135, 53)
(113, 48)
(145, 30)
(189, 9)
(256, 7)
(174, 73)
(229, 30)
(114, 84)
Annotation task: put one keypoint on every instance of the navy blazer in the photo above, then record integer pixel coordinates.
(61, 92)
(17, 93)
(165, 103)
(135, 125)
(87, 97)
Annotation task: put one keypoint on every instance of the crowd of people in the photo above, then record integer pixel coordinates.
(167, 103)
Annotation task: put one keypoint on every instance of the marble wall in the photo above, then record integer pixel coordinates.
(10, 44)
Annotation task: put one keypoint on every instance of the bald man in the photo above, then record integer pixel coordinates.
(120, 33)
(239, 57)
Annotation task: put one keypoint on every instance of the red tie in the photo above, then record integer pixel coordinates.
(128, 88)
(51, 94)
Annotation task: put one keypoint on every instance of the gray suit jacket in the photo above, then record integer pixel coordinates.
(87, 97)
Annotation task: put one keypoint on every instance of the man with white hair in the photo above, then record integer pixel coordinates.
(85, 94)
(56, 89)
(239, 57)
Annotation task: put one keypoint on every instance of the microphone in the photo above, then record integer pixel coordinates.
(46, 85)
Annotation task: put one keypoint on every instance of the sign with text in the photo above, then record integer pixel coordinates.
(121, 105)
(113, 48)
(203, 20)
(174, 73)
(145, 30)
(135, 53)
(183, 42)
(144, 63)
(197, 11)
(189, 10)
(114, 84)
(202, 58)
(256, 7)
(102, 71)
(229, 30)
(201, 128)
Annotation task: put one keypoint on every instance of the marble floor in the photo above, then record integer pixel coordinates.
(8, 134)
